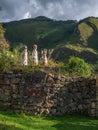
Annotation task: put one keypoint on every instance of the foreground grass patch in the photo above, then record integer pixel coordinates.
(12, 121)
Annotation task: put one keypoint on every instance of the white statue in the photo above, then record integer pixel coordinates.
(24, 56)
(35, 54)
(44, 57)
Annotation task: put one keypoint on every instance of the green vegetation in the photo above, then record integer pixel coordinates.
(63, 53)
(49, 33)
(69, 38)
(78, 66)
(10, 60)
(95, 66)
(80, 48)
(12, 121)
(88, 31)
(85, 32)
(3, 43)
(80, 38)
(46, 32)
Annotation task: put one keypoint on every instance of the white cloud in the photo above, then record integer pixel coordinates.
(26, 15)
(56, 9)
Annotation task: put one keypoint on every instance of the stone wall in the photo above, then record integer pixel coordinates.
(45, 94)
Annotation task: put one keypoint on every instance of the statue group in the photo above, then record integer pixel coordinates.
(24, 56)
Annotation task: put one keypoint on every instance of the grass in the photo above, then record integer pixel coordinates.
(80, 48)
(85, 33)
(12, 121)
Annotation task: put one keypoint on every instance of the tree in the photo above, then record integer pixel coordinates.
(3, 43)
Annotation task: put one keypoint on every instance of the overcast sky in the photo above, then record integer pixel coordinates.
(55, 9)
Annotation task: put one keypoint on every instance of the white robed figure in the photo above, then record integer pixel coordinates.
(24, 56)
(44, 57)
(35, 54)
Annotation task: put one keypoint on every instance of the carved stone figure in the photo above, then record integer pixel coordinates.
(24, 56)
(35, 54)
(44, 57)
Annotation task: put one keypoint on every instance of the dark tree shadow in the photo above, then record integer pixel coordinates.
(74, 122)
(9, 127)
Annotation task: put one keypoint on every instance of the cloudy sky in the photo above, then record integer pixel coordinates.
(55, 9)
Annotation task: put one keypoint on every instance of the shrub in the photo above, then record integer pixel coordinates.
(78, 66)
(95, 67)
(8, 59)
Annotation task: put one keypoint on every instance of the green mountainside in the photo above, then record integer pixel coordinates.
(88, 29)
(63, 53)
(48, 33)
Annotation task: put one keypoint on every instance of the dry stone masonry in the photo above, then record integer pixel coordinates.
(41, 93)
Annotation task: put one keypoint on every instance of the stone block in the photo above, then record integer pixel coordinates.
(14, 96)
(5, 81)
(93, 111)
(53, 111)
(15, 80)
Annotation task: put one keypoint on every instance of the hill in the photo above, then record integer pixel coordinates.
(46, 32)
(63, 53)
(49, 33)
(88, 32)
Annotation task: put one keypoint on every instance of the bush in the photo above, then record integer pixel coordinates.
(78, 66)
(8, 59)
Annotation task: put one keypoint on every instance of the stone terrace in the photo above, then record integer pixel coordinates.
(41, 93)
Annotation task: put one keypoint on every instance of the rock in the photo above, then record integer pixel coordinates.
(53, 111)
(45, 94)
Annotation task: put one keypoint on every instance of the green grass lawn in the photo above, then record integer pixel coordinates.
(12, 121)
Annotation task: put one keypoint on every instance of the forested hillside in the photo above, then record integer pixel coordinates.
(49, 33)
(88, 32)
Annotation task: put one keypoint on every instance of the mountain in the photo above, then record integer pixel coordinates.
(62, 54)
(49, 33)
(88, 32)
